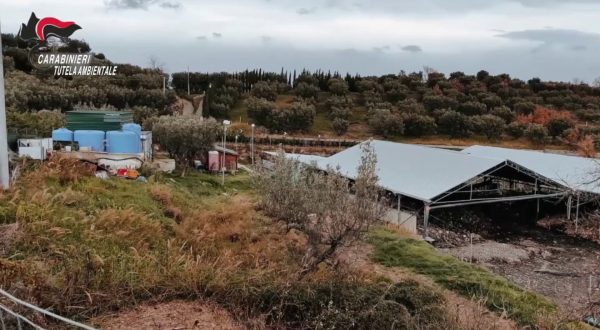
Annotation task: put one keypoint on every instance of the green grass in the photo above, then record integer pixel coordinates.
(321, 124)
(239, 112)
(471, 281)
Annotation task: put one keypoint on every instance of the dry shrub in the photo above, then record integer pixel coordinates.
(69, 170)
(329, 209)
(586, 147)
(69, 197)
(66, 169)
(164, 196)
(234, 229)
(127, 228)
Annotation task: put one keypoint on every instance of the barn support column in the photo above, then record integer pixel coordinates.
(399, 213)
(537, 207)
(426, 210)
(577, 214)
(569, 206)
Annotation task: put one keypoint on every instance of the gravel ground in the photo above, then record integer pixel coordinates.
(490, 250)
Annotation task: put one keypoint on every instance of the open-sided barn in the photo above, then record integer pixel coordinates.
(422, 178)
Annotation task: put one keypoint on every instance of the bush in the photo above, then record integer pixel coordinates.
(342, 113)
(503, 112)
(410, 106)
(261, 110)
(340, 126)
(537, 134)
(490, 126)
(435, 102)
(140, 114)
(516, 130)
(297, 117)
(339, 102)
(218, 110)
(264, 90)
(418, 125)
(524, 108)
(472, 108)
(306, 91)
(455, 124)
(330, 211)
(39, 123)
(185, 138)
(557, 126)
(338, 86)
(386, 123)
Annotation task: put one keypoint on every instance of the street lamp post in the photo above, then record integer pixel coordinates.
(236, 144)
(225, 124)
(252, 144)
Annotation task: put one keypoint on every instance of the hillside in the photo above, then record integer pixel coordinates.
(91, 248)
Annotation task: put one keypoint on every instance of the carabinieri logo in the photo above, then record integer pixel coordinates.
(43, 54)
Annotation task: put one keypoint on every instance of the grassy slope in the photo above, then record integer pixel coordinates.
(471, 281)
(89, 247)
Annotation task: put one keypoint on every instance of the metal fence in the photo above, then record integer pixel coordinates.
(10, 319)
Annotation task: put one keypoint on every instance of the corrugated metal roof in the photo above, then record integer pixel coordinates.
(97, 119)
(419, 172)
(577, 173)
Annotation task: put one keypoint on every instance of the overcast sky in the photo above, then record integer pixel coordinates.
(550, 39)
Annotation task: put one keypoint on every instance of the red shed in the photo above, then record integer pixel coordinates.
(231, 159)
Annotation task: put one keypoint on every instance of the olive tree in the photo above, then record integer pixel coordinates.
(185, 138)
(340, 125)
(490, 126)
(330, 210)
(338, 86)
(264, 90)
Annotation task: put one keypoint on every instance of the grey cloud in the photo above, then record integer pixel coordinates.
(572, 39)
(217, 34)
(381, 49)
(201, 37)
(306, 11)
(266, 39)
(140, 4)
(412, 48)
(170, 5)
(432, 6)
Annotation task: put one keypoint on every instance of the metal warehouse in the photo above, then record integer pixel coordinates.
(422, 178)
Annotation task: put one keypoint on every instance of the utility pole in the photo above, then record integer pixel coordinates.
(164, 85)
(225, 124)
(252, 144)
(4, 175)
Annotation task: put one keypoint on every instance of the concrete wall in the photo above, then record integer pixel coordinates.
(407, 221)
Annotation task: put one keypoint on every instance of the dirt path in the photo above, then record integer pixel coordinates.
(187, 107)
(172, 315)
(471, 315)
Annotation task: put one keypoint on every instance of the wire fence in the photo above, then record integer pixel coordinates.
(10, 319)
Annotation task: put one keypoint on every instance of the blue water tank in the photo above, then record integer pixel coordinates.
(90, 139)
(123, 142)
(62, 135)
(137, 129)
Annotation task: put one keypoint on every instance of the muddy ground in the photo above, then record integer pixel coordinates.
(563, 268)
